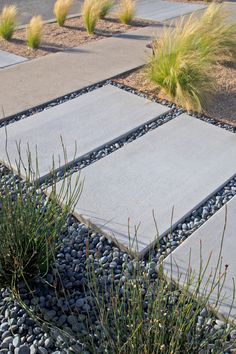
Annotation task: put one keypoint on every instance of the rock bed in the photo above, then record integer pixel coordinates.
(19, 333)
(69, 306)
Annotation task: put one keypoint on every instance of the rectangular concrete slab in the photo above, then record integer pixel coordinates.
(159, 10)
(209, 236)
(88, 122)
(177, 165)
(7, 59)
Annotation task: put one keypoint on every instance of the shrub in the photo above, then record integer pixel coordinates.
(105, 7)
(30, 224)
(126, 11)
(34, 32)
(182, 59)
(61, 10)
(8, 21)
(90, 12)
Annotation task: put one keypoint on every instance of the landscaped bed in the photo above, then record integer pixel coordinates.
(223, 104)
(73, 34)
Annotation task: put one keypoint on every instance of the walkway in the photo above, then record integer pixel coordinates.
(47, 78)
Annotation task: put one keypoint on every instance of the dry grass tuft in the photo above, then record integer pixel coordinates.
(8, 21)
(126, 11)
(105, 7)
(91, 10)
(34, 32)
(184, 56)
(61, 10)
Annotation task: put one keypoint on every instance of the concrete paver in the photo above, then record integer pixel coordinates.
(7, 59)
(205, 244)
(90, 120)
(179, 165)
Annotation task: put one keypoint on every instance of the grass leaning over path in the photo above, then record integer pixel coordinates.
(8, 21)
(90, 13)
(61, 10)
(126, 11)
(34, 32)
(184, 55)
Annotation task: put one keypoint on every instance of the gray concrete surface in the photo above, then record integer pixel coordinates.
(40, 80)
(90, 121)
(7, 59)
(178, 165)
(210, 235)
(148, 9)
(159, 10)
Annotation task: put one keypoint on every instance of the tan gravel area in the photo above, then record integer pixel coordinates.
(57, 38)
(223, 104)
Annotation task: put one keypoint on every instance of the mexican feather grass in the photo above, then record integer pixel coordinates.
(61, 10)
(34, 32)
(183, 57)
(8, 21)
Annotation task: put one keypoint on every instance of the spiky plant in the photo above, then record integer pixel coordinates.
(34, 32)
(30, 224)
(61, 10)
(8, 21)
(105, 7)
(90, 13)
(183, 57)
(126, 11)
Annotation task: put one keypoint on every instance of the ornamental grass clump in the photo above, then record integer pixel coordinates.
(146, 314)
(8, 21)
(126, 11)
(183, 58)
(30, 224)
(91, 10)
(34, 32)
(105, 7)
(61, 10)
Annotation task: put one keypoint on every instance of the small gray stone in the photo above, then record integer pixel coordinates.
(103, 260)
(16, 341)
(23, 349)
(42, 350)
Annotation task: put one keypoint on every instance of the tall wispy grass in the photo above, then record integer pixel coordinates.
(105, 7)
(34, 32)
(61, 10)
(183, 57)
(30, 223)
(140, 315)
(91, 10)
(126, 11)
(8, 21)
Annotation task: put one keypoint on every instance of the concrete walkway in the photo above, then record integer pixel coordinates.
(40, 80)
